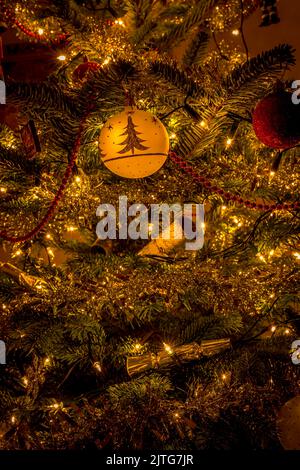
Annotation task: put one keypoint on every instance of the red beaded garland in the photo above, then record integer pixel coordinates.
(229, 196)
(59, 194)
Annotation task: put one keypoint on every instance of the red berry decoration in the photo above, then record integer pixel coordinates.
(276, 121)
(84, 69)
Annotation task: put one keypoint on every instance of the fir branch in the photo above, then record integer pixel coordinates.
(196, 51)
(171, 73)
(261, 65)
(195, 17)
(41, 95)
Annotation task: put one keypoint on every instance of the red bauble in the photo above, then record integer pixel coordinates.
(84, 69)
(276, 121)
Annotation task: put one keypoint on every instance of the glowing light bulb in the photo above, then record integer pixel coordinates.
(273, 328)
(224, 376)
(203, 124)
(120, 22)
(173, 136)
(297, 255)
(61, 57)
(40, 31)
(77, 179)
(97, 366)
(3, 190)
(168, 348)
(261, 257)
(50, 251)
(228, 142)
(235, 32)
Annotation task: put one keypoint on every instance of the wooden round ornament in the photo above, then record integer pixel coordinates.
(288, 424)
(134, 143)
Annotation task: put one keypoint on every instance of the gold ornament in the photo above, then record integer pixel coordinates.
(21, 277)
(168, 244)
(288, 424)
(167, 356)
(133, 143)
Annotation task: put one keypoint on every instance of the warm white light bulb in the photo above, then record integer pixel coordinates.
(168, 348)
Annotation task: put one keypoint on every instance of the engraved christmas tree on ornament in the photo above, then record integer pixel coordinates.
(132, 140)
(133, 143)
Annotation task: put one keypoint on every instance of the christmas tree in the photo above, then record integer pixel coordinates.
(103, 345)
(132, 141)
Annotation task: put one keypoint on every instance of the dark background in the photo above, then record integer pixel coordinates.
(287, 31)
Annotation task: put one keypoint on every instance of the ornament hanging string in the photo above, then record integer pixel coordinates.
(179, 161)
(50, 212)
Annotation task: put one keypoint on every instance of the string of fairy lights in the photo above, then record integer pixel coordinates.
(183, 164)
(224, 377)
(40, 35)
(264, 257)
(72, 228)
